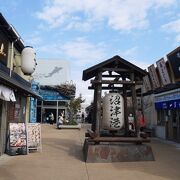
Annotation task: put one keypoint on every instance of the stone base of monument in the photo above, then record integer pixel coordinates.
(116, 152)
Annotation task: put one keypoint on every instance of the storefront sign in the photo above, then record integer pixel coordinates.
(173, 104)
(33, 110)
(161, 65)
(3, 49)
(174, 61)
(168, 97)
(153, 76)
(51, 95)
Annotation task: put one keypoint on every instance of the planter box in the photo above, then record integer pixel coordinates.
(78, 126)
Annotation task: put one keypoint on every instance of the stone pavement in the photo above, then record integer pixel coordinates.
(61, 159)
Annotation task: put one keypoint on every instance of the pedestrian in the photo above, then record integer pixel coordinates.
(51, 118)
(141, 124)
(131, 125)
(60, 120)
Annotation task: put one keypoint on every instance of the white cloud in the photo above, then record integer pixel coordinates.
(174, 27)
(129, 53)
(83, 51)
(33, 39)
(119, 14)
(80, 51)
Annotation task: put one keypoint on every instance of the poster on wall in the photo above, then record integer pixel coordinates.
(161, 65)
(153, 76)
(34, 136)
(174, 61)
(18, 137)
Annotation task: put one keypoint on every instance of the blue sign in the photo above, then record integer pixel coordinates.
(33, 110)
(173, 104)
(50, 95)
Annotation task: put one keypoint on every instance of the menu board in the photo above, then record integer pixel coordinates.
(34, 135)
(18, 136)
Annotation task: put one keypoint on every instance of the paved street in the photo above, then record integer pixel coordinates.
(61, 159)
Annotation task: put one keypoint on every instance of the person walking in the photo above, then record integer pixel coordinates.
(51, 118)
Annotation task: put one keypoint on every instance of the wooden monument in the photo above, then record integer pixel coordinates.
(115, 143)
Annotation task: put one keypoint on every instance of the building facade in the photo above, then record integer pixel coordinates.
(15, 88)
(161, 98)
(55, 100)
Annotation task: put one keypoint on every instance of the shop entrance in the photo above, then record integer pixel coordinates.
(174, 125)
(47, 113)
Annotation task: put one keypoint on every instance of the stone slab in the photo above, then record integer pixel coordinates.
(124, 152)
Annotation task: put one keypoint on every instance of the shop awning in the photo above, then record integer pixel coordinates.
(18, 83)
(7, 94)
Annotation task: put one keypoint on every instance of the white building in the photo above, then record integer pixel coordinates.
(52, 72)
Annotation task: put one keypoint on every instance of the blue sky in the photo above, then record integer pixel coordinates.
(86, 32)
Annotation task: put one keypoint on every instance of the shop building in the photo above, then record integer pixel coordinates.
(15, 86)
(161, 100)
(55, 100)
(51, 81)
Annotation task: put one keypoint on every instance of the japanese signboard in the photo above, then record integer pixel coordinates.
(146, 83)
(174, 61)
(113, 111)
(153, 76)
(3, 49)
(161, 65)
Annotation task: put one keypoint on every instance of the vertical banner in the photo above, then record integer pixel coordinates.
(146, 83)
(161, 65)
(174, 61)
(153, 76)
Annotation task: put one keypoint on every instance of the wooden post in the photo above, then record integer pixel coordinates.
(126, 124)
(93, 127)
(42, 109)
(97, 104)
(57, 108)
(134, 102)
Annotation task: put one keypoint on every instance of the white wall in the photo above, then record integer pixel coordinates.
(52, 72)
(150, 113)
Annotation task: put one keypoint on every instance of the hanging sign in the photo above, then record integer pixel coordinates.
(153, 76)
(161, 65)
(146, 83)
(174, 61)
(3, 49)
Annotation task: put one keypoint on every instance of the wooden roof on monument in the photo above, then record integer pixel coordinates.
(114, 62)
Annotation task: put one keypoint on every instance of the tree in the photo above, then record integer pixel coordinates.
(73, 107)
